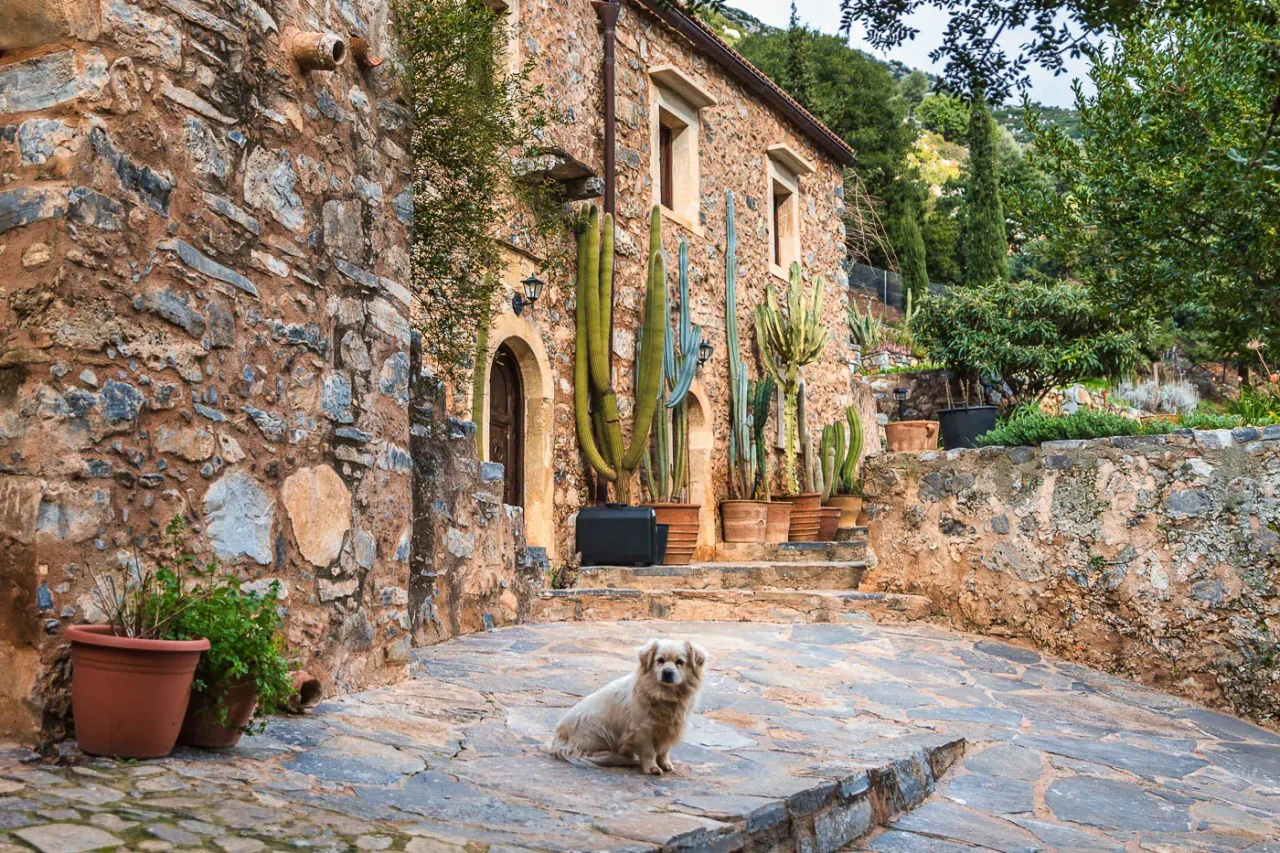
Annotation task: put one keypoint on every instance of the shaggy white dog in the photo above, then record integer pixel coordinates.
(637, 719)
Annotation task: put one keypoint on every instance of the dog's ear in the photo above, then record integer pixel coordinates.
(696, 654)
(647, 653)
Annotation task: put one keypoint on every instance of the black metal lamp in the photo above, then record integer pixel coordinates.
(704, 353)
(900, 394)
(532, 290)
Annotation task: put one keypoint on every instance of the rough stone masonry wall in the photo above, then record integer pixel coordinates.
(201, 254)
(562, 38)
(1152, 557)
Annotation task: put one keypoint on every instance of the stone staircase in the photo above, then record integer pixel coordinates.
(786, 582)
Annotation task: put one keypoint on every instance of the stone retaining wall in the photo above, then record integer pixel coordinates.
(1151, 557)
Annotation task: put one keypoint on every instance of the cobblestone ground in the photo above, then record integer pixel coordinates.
(1058, 757)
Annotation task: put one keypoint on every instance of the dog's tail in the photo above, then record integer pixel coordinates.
(566, 752)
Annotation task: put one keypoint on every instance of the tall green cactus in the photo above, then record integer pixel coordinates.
(842, 478)
(667, 468)
(760, 398)
(788, 341)
(829, 450)
(743, 461)
(808, 465)
(595, 401)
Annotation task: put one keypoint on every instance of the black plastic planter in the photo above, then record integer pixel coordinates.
(617, 535)
(961, 427)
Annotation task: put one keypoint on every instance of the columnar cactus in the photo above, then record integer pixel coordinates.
(595, 401)
(760, 398)
(665, 475)
(743, 461)
(808, 464)
(788, 341)
(842, 478)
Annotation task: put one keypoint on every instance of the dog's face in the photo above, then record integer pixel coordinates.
(673, 665)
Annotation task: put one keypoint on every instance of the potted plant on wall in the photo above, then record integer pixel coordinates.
(131, 676)
(844, 486)
(744, 516)
(666, 462)
(244, 676)
(619, 535)
(789, 340)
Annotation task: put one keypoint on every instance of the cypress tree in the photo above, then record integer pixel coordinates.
(798, 72)
(986, 246)
(903, 227)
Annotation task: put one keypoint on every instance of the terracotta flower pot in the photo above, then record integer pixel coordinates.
(202, 726)
(307, 692)
(828, 522)
(744, 521)
(682, 532)
(911, 436)
(850, 508)
(777, 521)
(129, 696)
(806, 511)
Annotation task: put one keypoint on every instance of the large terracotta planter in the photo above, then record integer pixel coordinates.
(850, 507)
(828, 523)
(806, 512)
(744, 521)
(202, 726)
(911, 436)
(682, 533)
(129, 696)
(778, 522)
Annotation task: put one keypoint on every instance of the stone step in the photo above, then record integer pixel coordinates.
(791, 552)
(728, 605)
(825, 575)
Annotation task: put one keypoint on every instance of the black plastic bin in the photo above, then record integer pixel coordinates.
(961, 427)
(617, 535)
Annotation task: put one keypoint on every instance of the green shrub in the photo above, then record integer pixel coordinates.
(1030, 427)
(1256, 407)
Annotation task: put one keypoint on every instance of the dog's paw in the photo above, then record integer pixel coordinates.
(652, 770)
(666, 766)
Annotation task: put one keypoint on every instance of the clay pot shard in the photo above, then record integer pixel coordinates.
(314, 51)
(307, 693)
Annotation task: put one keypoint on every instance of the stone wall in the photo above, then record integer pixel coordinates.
(203, 313)
(926, 393)
(563, 39)
(1153, 557)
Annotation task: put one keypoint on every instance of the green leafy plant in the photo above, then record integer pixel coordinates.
(1035, 336)
(1030, 426)
(865, 327)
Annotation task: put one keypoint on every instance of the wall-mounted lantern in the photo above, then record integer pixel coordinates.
(704, 353)
(532, 290)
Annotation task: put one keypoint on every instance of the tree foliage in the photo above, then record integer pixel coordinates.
(1173, 194)
(904, 199)
(1035, 335)
(469, 117)
(946, 114)
(986, 245)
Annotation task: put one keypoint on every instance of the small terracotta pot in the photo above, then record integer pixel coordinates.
(682, 530)
(744, 521)
(129, 696)
(307, 692)
(202, 726)
(911, 436)
(777, 521)
(806, 512)
(828, 523)
(850, 508)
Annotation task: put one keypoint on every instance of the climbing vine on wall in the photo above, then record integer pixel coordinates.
(470, 117)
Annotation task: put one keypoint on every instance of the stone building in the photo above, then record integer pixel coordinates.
(204, 291)
(694, 120)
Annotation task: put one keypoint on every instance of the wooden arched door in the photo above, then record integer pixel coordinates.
(506, 423)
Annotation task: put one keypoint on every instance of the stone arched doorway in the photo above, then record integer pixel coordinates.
(701, 489)
(515, 340)
(506, 423)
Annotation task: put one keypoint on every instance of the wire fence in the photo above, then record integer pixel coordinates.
(884, 284)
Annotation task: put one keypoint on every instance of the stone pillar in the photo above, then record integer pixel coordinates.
(202, 313)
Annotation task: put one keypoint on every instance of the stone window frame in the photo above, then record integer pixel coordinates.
(676, 103)
(784, 169)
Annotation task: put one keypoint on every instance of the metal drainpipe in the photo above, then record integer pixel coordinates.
(607, 11)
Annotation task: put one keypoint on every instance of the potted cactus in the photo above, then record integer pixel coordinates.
(845, 492)
(615, 534)
(788, 340)
(666, 463)
(744, 516)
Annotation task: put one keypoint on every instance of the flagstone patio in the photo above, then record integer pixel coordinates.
(809, 735)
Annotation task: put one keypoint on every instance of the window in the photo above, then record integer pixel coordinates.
(784, 172)
(676, 123)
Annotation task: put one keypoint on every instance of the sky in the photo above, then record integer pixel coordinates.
(824, 15)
